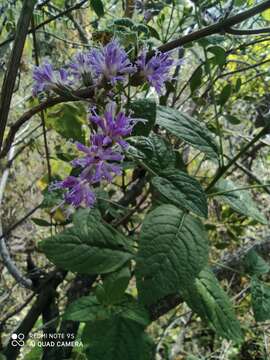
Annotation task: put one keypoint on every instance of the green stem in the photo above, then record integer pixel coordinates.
(146, 167)
(224, 169)
(239, 189)
(209, 73)
(169, 25)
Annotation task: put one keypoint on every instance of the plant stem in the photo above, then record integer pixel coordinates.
(224, 169)
(14, 63)
(239, 189)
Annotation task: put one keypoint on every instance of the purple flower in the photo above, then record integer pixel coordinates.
(113, 126)
(155, 70)
(78, 191)
(110, 63)
(46, 78)
(147, 16)
(98, 163)
(81, 68)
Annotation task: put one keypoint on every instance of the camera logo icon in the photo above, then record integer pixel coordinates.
(17, 339)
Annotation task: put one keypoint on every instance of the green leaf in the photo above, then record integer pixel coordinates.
(188, 129)
(239, 200)
(89, 247)
(153, 32)
(155, 152)
(90, 308)
(51, 198)
(34, 354)
(116, 339)
(115, 284)
(142, 29)
(130, 309)
(266, 14)
(97, 6)
(260, 293)
(143, 109)
(212, 304)
(87, 308)
(240, 2)
(196, 79)
(233, 119)
(141, 147)
(219, 54)
(163, 157)
(40, 222)
(182, 190)
(124, 22)
(67, 120)
(126, 38)
(173, 248)
(238, 85)
(255, 264)
(225, 94)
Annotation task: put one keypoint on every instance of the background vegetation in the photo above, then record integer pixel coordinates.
(201, 157)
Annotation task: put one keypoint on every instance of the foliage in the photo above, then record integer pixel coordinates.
(142, 153)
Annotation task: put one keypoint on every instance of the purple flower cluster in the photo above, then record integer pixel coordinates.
(80, 68)
(101, 160)
(156, 70)
(100, 67)
(46, 78)
(111, 63)
(107, 65)
(113, 126)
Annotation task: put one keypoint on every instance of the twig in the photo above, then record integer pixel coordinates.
(127, 216)
(251, 175)
(8, 262)
(75, 96)
(16, 311)
(42, 115)
(11, 266)
(178, 346)
(63, 13)
(14, 62)
(224, 169)
(19, 222)
(78, 27)
(248, 31)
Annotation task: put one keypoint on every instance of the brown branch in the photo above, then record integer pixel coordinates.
(16, 311)
(80, 286)
(49, 313)
(47, 293)
(14, 63)
(76, 96)
(253, 66)
(129, 8)
(248, 31)
(220, 27)
(19, 222)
